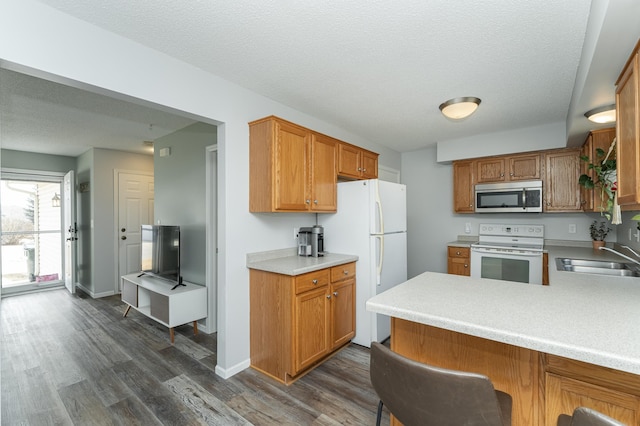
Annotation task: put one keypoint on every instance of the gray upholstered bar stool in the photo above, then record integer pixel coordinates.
(420, 394)
(583, 416)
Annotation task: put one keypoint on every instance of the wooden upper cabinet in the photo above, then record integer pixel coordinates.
(463, 187)
(291, 169)
(561, 190)
(508, 168)
(356, 163)
(490, 170)
(524, 167)
(591, 200)
(323, 173)
(628, 132)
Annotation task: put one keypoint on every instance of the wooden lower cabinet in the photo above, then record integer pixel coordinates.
(542, 386)
(458, 260)
(298, 321)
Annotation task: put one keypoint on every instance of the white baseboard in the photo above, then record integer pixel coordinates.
(226, 373)
(93, 294)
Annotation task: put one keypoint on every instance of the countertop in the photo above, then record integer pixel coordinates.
(287, 262)
(590, 318)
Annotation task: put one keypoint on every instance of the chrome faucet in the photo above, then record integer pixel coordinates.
(632, 251)
(623, 255)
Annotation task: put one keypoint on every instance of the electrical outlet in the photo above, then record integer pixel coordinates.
(467, 228)
(572, 228)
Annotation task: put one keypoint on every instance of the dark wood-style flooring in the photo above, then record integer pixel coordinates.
(69, 359)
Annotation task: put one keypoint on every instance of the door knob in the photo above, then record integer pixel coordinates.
(123, 229)
(124, 237)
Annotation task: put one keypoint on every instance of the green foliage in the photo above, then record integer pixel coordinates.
(599, 232)
(604, 173)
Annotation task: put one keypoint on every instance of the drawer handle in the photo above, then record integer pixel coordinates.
(314, 282)
(346, 272)
(458, 253)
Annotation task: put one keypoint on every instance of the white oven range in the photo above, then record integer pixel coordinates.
(508, 252)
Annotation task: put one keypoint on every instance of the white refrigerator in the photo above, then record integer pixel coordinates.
(371, 223)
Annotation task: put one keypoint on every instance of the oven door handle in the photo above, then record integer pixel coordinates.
(524, 198)
(532, 253)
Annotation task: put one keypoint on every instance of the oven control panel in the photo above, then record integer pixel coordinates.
(534, 231)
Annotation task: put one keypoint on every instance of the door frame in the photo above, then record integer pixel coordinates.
(211, 230)
(116, 211)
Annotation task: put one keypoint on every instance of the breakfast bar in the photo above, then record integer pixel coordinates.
(552, 348)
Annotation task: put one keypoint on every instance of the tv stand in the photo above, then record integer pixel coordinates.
(171, 307)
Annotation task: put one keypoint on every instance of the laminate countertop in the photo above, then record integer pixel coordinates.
(287, 262)
(590, 318)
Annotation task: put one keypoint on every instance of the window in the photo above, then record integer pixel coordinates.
(31, 227)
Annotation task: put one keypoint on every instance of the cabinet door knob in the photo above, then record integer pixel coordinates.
(123, 229)
(335, 293)
(364, 170)
(314, 282)
(501, 174)
(328, 296)
(124, 237)
(466, 266)
(307, 201)
(457, 253)
(359, 169)
(315, 201)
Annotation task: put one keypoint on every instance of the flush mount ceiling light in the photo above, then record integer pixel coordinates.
(601, 115)
(459, 108)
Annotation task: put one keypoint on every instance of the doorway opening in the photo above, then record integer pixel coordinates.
(31, 231)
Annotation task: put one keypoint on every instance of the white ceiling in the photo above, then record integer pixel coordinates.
(378, 69)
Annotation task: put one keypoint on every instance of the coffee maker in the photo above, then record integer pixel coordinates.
(311, 241)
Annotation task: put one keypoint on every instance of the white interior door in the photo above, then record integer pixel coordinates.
(135, 208)
(71, 231)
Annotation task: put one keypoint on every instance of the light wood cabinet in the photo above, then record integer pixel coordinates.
(628, 132)
(569, 384)
(291, 169)
(458, 260)
(560, 186)
(297, 321)
(356, 163)
(542, 386)
(463, 187)
(508, 168)
(592, 200)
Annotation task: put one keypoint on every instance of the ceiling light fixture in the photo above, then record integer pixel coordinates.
(459, 108)
(603, 114)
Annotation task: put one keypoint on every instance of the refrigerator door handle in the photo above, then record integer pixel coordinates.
(380, 259)
(379, 205)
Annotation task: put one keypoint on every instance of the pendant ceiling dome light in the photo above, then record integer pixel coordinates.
(459, 108)
(601, 115)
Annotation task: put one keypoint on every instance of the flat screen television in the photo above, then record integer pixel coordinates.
(160, 252)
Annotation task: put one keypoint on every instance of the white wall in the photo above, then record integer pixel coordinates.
(41, 41)
(432, 223)
(547, 136)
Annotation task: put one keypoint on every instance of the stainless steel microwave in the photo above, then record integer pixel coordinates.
(509, 197)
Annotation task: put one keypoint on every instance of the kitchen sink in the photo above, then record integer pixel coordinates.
(599, 267)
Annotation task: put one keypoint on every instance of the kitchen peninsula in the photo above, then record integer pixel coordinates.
(574, 342)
